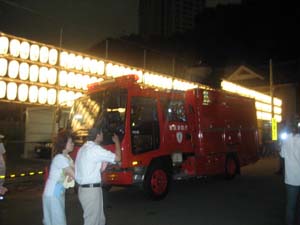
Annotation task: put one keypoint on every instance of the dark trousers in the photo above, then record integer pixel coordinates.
(292, 205)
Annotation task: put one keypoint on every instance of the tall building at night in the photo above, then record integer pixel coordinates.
(166, 17)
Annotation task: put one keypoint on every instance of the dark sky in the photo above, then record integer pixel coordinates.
(84, 22)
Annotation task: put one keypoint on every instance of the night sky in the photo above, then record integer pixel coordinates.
(84, 22)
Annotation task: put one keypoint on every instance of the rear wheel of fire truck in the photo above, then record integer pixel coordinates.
(157, 180)
(231, 167)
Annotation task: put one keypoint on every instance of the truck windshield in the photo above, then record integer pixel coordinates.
(105, 109)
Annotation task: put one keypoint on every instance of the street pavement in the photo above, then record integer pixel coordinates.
(257, 197)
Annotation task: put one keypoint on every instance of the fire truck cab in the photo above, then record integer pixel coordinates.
(167, 135)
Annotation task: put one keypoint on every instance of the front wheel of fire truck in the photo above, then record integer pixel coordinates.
(231, 167)
(157, 181)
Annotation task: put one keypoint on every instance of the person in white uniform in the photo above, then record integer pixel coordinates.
(2, 166)
(89, 161)
(290, 151)
(61, 172)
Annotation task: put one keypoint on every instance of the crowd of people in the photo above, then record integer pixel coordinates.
(86, 172)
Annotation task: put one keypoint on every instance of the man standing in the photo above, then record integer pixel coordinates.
(290, 151)
(91, 156)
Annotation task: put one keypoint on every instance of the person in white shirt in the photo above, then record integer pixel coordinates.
(61, 171)
(89, 161)
(2, 166)
(290, 151)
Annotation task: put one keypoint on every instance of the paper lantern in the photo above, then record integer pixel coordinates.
(71, 80)
(86, 64)
(24, 50)
(51, 96)
(44, 54)
(24, 71)
(34, 52)
(78, 62)
(63, 60)
(13, 69)
(43, 95)
(14, 47)
(2, 89)
(3, 67)
(78, 81)
(11, 91)
(23, 92)
(33, 73)
(100, 67)
(53, 56)
(43, 74)
(63, 78)
(52, 76)
(33, 93)
(4, 45)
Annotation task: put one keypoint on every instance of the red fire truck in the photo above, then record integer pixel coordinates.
(167, 135)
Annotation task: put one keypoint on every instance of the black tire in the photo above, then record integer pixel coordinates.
(231, 167)
(157, 181)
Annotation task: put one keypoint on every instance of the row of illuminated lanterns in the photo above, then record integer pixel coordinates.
(44, 54)
(235, 88)
(34, 73)
(43, 74)
(28, 50)
(262, 104)
(268, 116)
(35, 94)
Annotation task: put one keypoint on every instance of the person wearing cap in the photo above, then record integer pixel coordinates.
(290, 151)
(2, 166)
(89, 161)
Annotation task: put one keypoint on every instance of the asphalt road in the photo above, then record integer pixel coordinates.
(257, 197)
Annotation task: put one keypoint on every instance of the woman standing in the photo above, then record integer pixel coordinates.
(61, 174)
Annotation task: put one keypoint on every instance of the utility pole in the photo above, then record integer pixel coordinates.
(271, 87)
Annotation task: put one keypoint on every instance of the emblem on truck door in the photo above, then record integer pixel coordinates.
(179, 137)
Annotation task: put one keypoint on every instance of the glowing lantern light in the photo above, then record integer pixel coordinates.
(24, 50)
(92, 80)
(3, 67)
(44, 54)
(109, 69)
(42, 95)
(2, 89)
(43, 75)
(78, 95)
(93, 66)
(62, 97)
(85, 81)
(71, 61)
(24, 71)
(63, 59)
(11, 91)
(100, 67)
(3, 45)
(53, 56)
(33, 73)
(33, 94)
(70, 98)
(23, 92)
(52, 75)
(86, 64)
(71, 80)
(78, 81)
(14, 47)
(34, 52)
(78, 62)
(63, 78)
(13, 69)
(51, 96)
